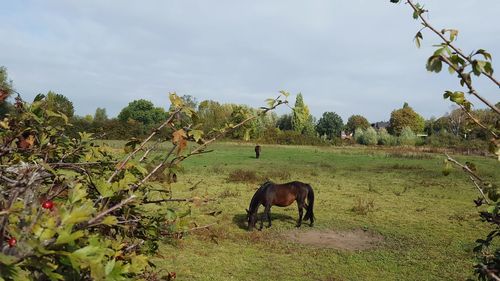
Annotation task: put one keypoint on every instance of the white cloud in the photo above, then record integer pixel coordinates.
(351, 57)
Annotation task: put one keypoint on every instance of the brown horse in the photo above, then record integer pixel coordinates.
(281, 195)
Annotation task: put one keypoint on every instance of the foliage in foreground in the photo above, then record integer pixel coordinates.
(477, 63)
(70, 211)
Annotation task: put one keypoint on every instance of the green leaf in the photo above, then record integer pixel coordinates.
(486, 55)
(270, 102)
(488, 68)
(110, 220)
(196, 134)
(39, 97)
(78, 214)
(51, 274)
(7, 260)
(285, 93)
(77, 193)
(417, 38)
(434, 64)
(171, 215)
(131, 144)
(138, 264)
(175, 100)
(109, 266)
(65, 236)
(104, 188)
(453, 33)
(85, 256)
(466, 79)
(418, 11)
(479, 66)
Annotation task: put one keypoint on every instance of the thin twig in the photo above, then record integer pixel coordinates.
(480, 189)
(468, 83)
(464, 167)
(107, 211)
(177, 200)
(201, 227)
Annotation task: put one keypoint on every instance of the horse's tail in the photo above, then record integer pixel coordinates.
(310, 204)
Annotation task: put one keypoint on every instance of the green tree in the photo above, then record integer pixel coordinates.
(100, 115)
(406, 117)
(302, 120)
(142, 111)
(284, 122)
(212, 114)
(59, 103)
(330, 124)
(5, 91)
(239, 114)
(356, 121)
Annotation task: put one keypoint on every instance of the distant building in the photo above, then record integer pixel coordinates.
(345, 136)
(380, 125)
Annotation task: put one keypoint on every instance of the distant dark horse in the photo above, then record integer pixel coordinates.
(257, 151)
(281, 195)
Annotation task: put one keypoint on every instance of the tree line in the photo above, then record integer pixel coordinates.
(405, 126)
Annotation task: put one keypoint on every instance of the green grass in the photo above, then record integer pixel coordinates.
(428, 221)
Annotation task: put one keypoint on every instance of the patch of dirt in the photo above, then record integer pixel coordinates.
(349, 240)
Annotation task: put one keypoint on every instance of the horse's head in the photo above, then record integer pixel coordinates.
(251, 219)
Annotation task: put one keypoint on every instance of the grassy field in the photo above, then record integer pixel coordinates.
(428, 222)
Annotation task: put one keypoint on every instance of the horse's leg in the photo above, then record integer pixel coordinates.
(262, 219)
(267, 212)
(300, 204)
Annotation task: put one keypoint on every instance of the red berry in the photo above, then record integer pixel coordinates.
(12, 242)
(48, 205)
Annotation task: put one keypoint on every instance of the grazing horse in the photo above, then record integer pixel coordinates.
(281, 195)
(257, 151)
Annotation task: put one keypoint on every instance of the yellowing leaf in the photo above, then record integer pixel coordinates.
(196, 134)
(110, 220)
(179, 138)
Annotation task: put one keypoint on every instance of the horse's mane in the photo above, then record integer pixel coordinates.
(255, 202)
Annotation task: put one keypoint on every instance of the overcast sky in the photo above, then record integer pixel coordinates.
(350, 57)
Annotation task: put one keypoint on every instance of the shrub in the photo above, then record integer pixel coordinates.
(276, 136)
(407, 137)
(384, 138)
(241, 175)
(358, 135)
(370, 136)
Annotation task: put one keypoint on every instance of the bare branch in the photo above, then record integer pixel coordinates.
(464, 167)
(480, 189)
